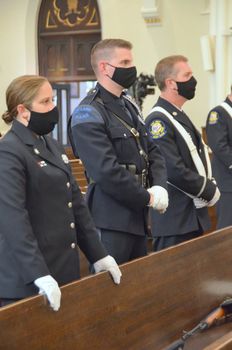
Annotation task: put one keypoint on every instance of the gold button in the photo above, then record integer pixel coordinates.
(73, 245)
(70, 204)
(72, 225)
(68, 184)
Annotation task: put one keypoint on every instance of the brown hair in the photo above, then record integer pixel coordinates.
(104, 50)
(21, 90)
(165, 68)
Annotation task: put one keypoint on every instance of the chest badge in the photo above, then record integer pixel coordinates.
(65, 158)
(36, 151)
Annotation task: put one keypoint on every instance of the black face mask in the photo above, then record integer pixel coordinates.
(43, 123)
(125, 77)
(187, 88)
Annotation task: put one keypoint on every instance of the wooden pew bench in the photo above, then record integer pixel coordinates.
(159, 296)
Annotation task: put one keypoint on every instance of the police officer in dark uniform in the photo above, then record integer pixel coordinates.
(110, 137)
(190, 186)
(43, 214)
(219, 135)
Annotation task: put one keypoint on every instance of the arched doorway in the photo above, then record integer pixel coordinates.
(67, 31)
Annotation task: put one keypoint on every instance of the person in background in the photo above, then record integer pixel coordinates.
(191, 188)
(43, 215)
(219, 136)
(126, 171)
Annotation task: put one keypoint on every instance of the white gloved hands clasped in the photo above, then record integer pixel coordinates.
(160, 198)
(108, 264)
(201, 203)
(47, 285)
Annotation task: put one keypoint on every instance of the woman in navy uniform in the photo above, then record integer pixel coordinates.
(43, 214)
(219, 135)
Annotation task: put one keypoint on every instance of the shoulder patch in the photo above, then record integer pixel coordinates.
(157, 129)
(86, 114)
(213, 118)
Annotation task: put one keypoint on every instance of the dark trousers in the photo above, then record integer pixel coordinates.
(169, 241)
(224, 211)
(5, 302)
(123, 246)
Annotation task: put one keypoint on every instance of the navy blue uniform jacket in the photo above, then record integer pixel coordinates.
(181, 216)
(43, 215)
(219, 135)
(116, 200)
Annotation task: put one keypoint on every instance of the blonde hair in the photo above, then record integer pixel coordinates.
(104, 50)
(165, 68)
(21, 90)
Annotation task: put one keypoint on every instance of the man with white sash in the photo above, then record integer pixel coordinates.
(219, 134)
(190, 185)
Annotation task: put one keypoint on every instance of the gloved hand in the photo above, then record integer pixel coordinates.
(200, 203)
(47, 285)
(160, 198)
(214, 181)
(215, 198)
(108, 264)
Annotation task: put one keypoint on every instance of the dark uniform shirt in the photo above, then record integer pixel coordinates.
(43, 215)
(110, 155)
(219, 135)
(181, 216)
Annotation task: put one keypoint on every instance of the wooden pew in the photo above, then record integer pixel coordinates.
(160, 296)
(78, 171)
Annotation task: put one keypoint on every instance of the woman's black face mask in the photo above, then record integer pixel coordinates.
(43, 123)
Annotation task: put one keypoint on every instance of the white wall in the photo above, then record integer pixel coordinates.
(18, 43)
(182, 25)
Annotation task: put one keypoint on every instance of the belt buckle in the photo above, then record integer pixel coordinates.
(134, 132)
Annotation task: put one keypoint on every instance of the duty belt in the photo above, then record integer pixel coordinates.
(140, 178)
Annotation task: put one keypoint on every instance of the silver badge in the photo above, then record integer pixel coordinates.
(36, 150)
(65, 158)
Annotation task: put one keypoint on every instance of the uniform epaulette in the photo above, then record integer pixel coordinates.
(92, 94)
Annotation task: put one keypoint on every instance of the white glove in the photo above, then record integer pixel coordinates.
(215, 198)
(47, 285)
(160, 196)
(108, 264)
(200, 203)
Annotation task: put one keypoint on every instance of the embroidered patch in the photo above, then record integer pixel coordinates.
(213, 118)
(86, 114)
(158, 129)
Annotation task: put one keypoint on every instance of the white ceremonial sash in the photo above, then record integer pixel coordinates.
(192, 149)
(227, 108)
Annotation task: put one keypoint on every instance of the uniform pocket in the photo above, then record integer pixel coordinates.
(123, 143)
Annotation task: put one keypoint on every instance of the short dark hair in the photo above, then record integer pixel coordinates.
(165, 68)
(104, 50)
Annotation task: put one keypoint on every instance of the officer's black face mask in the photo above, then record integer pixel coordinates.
(125, 77)
(187, 88)
(43, 123)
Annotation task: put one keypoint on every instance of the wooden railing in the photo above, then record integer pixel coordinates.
(159, 296)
